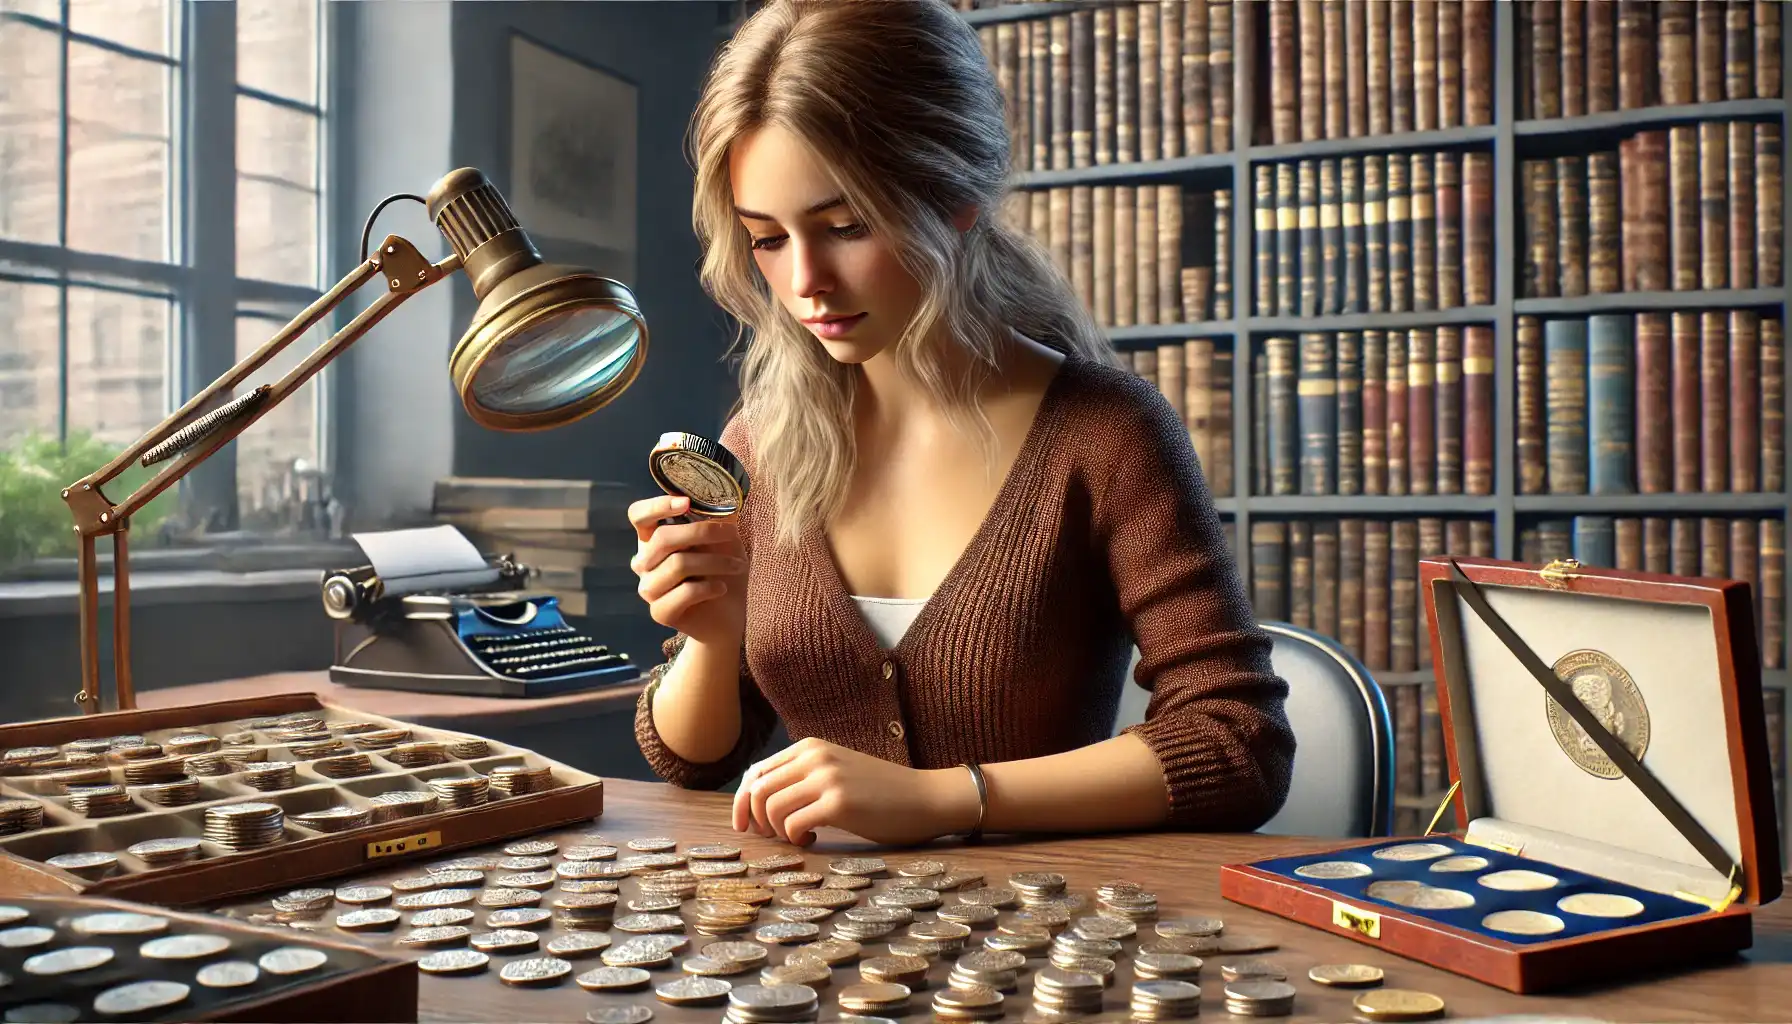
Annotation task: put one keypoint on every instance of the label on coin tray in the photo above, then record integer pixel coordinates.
(404, 844)
(1366, 923)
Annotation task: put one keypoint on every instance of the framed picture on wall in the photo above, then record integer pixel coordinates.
(572, 155)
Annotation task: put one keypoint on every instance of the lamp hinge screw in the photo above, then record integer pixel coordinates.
(391, 248)
(105, 517)
(422, 275)
(77, 529)
(395, 284)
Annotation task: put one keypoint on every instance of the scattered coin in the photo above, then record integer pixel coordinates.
(292, 960)
(359, 894)
(1346, 975)
(613, 979)
(519, 917)
(229, 974)
(12, 915)
(26, 937)
(577, 945)
(631, 1014)
(454, 961)
(1179, 927)
(373, 919)
(532, 848)
(1398, 1004)
(68, 960)
(500, 899)
(653, 844)
(777, 862)
(184, 947)
(1600, 904)
(506, 941)
(140, 997)
(119, 923)
(43, 1013)
(1252, 968)
(439, 918)
(524, 863)
(1332, 870)
(437, 935)
(1433, 898)
(713, 851)
(535, 970)
(695, 990)
(583, 853)
(862, 866)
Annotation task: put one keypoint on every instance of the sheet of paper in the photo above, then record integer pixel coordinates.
(425, 558)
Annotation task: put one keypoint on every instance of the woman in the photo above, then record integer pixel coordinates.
(962, 513)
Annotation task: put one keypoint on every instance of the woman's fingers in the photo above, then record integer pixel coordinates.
(669, 540)
(686, 566)
(645, 515)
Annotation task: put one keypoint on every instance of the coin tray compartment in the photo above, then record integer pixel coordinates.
(1656, 907)
(353, 983)
(304, 853)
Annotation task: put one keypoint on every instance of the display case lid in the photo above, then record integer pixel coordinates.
(1668, 665)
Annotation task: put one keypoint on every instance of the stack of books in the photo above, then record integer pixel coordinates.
(573, 534)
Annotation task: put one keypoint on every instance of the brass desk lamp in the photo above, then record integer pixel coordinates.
(548, 345)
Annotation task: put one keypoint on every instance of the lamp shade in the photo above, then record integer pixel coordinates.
(548, 344)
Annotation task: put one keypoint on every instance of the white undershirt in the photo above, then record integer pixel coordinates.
(889, 617)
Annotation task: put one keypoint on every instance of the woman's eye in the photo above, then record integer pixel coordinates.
(850, 231)
(769, 242)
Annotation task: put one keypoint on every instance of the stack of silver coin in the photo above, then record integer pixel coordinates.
(1127, 902)
(467, 791)
(91, 746)
(417, 755)
(318, 748)
(516, 779)
(347, 766)
(1165, 966)
(585, 912)
(350, 728)
(125, 753)
(273, 775)
(720, 917)
(105, 801)
(988, 968)
(404, 803)
(469, 748)
(304, 904)
(188, 743)
(162, 852)
(380, 739)
(1257, 997)
(25, 760)
(58, 782)
(339, 818)
(246, 826)
(1165, 1000)
(20, 815)
(172, 794)
(868, 924)
(92, 865)
(200, 765)
(975, 1003)
(144, 771)
(772, 1004)
(241, 757)
(1067, 992)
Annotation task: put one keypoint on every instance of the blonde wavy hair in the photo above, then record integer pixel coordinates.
(898, 99)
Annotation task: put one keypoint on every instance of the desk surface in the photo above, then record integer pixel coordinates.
(445, 710)
(1181, 869)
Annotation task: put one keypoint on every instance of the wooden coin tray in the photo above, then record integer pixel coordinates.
(353, 984)
(303, 853)
(1683, 650)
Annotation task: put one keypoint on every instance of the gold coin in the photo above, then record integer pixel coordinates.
(1399, 1004)
(1346, 975)
(1518, 880)
(1600, 904)
(1522, 922)
(1607, 690)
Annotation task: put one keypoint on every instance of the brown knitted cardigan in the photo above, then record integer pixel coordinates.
(1103, 532)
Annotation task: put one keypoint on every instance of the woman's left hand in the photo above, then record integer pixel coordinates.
(813, 783)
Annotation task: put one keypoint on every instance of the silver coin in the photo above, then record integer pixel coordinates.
(292, 960)
(577, 945)
(968, 913)
(506, 940)
(1523, 922)
(358, 894)
(437, 898)
(454, 961)
(1518, 880)
(229, 974)
(653, 844)
(184, 947)
(119, 923)
(1394, 890)
(440, 917)
(503, 898)
(435, 935)
(649, 923)
(1433, 898)
(1465, 862)
(1412, 851)
(584, 853)
(525, 880)
(481, 864)
(1333, 869)
(43, 1013)
(531, 848)
(535, 970)
(992, 960)
(694, 989)
(524, 864)
(859, 866)
(783, 932)
(84, 861)
(991, 896)
(26, 937)
(1189, 927)
(628, 954)
(140, 997)
(10, 915)
(664, 942)
(631, 1014)
(655, 904)
(459, 877)
(68, 960)
(518, 917)
(613, 979)
(372, 919)
(803, 915)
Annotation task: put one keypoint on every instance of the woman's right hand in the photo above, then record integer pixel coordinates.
(693, 575)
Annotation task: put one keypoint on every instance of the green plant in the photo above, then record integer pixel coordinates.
(34, 522)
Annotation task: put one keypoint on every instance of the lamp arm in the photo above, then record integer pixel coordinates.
(407, 272)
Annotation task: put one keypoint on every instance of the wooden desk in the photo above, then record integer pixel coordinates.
(1181, 869)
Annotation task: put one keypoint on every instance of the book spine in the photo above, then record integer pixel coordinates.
(1421, 411)
(1477, 227)
(1605, 223)
(1422, 211)
(1350, 412)
(1654, 404)
(1222, 254)
(1546, 58)
(1540, 228)
(1571, 226)
(1687, 397)
(1683, 196)
(1336, 121)
(1082, 88)
(1477, 62)
(1103, 84)
(1266, 237)
(1399, 205)
(1379, 69)
(1287, 241)
(1627, 542)
(1683, 547)
(1331, 237)
(1269, 587)
(1673, 22)
(1082, 244)
(1772, 548)
(1350, 586)
(1447, 388)
(1169, 254)
(1350, 209)
(1310, 75)
(1714, 205)
(1714, 547)
(1260, 448)
(1767, 49)
(1375, 234)
(1565, 409)
(1377, 613)
(1150, 109)
(1430, 545)
(1311, 252)
(1773, 405)
(1197, 79)
(1477, 410)
(1300, 573)
(1396, 384)
(1284, 417)
(1318, 400)
(1739, 50)
(1144, 274)
(1742, 204)
(1101, 254)
(1400, 64)
(1375, 413)
(1356, 70)
(1325, 577)
(1219, 72)
(1126, 244)
(1574, 57)
(1528, 400)
(1714, 388)
(1655, 545)
(1198, 388)
(1447, 214)
(1525, 46)
(1636, 54)
(1602, 56)
(1770, 205)
(1653, 205)
(1745, 400)
(1611, 397)
(1424, 65)
(1594, 542)
(1449, 63)
(1126, 85)
(1169, 78)
(1404, 587)
(1059, 62)
(1221, 475)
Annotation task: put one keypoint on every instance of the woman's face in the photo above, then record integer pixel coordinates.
(826, 268)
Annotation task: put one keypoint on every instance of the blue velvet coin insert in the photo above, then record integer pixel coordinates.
(1560, 901)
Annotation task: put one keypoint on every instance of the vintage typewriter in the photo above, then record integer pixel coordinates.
(430, 613)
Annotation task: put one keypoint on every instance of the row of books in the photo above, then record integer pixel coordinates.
(1586, 56)
(1144, 254)
(1654, 403)
(1342, 69)
(1404, 231)
(1116, 84)
(1195, 376)
(1683, 208)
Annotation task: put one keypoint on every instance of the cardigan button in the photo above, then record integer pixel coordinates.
(889, 669)
(896, 730)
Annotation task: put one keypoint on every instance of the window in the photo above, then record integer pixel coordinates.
(104, 151)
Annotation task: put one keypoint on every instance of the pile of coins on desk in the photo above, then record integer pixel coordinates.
(773, 939)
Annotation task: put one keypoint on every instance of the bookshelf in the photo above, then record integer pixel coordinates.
(1511, 140)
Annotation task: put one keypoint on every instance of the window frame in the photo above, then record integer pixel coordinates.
(199, 278)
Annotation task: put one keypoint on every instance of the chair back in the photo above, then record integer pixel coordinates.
(1343, 782)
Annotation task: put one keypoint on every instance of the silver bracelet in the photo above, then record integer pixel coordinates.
(976, 833)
